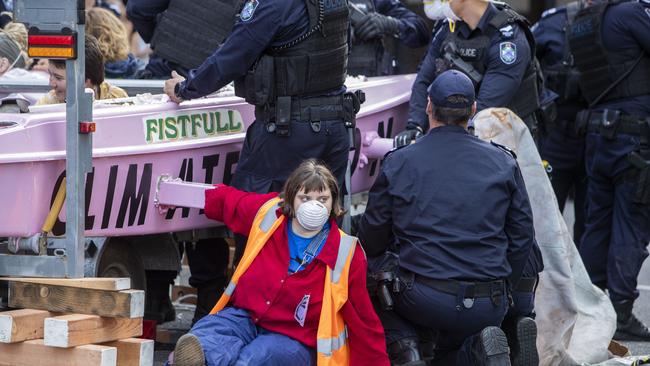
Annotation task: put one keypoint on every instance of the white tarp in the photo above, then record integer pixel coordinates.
(575, 319)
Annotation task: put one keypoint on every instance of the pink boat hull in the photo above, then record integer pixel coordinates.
(198, 141)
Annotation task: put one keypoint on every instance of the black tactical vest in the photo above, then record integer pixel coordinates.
(311, 65)
(474, 51)
(189, 31)
(602, 79)
(366, 58)
(563, 77)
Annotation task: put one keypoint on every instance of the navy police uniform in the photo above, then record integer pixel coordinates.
(372, 21)
(299, 114)
(562, 145)
(610, 42)
(496, 56)
(463, 226)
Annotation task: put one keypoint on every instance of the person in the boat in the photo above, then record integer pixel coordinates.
(298, 296)
(94, 77)
(114, 43)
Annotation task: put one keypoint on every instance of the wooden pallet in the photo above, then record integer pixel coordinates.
(73, 322)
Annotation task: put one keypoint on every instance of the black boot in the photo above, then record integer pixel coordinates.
(490, 348)
(158, 305)
(628, 326)
(405, 352)
(188, 352)
(207, 296)
(522, 339)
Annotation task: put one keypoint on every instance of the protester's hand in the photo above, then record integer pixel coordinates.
(375, 26)
(407, 136)
(170, 87)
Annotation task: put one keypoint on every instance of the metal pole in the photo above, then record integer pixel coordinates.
(78, 157)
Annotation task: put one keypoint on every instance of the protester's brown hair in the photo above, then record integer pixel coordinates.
(312, 176)
(94, 62)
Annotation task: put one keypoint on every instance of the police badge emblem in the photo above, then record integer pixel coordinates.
(508, 52)
(248, 10)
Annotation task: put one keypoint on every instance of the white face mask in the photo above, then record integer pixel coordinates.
(312, 215)
(439, 9)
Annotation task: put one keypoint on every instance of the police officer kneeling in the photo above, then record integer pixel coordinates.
(464, 228)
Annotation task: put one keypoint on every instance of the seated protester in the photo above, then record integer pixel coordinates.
(299, 293)
(94, 77)
(464, 228)
(114, 43)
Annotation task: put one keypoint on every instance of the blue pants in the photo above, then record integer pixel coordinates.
(456, 323)
(617, 230)
(267, 159)
(231, 338)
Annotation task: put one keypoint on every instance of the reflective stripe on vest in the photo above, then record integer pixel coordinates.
(347, 244)
(329, 345)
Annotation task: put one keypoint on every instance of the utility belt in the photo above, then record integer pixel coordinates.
(609, 123)
(467, 291)
(279, 115)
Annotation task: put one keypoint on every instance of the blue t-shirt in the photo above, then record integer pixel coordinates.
(297, 247)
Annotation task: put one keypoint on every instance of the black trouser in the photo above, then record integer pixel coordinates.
(457, 317)
(208, 261)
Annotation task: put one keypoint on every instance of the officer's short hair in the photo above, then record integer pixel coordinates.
(455, 116)
(94, 61)
(311, 175)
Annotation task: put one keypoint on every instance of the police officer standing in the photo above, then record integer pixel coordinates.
(493, 46)
(563, 143)
(464, 229)
(610, 42)
(277, 54)
(182, 33)
(372, 20)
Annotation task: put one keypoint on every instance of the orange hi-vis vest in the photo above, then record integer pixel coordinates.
(331, 344)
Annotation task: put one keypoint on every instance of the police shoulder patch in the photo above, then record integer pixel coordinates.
(504, 149)
(248, 10)
(508, 52)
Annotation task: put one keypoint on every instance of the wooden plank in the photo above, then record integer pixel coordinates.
(128, 303)
(36, 353)
(79, 329)
(133, 351)
(95, 283)
(22, 325)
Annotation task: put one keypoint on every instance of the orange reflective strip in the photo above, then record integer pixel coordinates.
(51, 52)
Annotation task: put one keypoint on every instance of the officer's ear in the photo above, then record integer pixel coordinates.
(474, 107)
(429, 110)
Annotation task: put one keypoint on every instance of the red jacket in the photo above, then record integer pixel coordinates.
(272, 296)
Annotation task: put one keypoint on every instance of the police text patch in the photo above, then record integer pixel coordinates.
(248, 10)
(508, 52)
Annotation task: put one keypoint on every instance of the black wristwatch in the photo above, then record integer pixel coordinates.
(177, 91)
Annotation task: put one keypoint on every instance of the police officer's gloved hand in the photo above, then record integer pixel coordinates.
(404, 138)
(375, 26)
